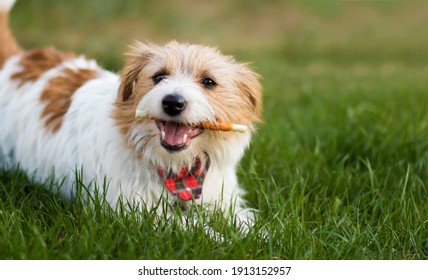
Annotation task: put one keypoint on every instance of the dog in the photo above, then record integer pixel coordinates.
(60, 113)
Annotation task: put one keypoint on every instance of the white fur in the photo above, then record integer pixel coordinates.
(90, 140)
(198, 108)
(6, 5)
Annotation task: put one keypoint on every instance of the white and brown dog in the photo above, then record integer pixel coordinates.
(60, 112)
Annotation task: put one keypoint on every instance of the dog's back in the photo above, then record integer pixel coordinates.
(43, 91)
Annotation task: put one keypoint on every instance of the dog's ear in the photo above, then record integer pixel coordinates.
(136, 59)
(249, 86)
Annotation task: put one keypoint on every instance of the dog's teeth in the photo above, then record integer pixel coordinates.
(184, 138)
(163, 135)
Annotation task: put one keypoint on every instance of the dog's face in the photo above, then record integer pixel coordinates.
(179, 86)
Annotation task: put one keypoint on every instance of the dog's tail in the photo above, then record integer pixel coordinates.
(8, 44)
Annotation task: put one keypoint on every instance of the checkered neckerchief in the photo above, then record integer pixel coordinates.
(186, 184)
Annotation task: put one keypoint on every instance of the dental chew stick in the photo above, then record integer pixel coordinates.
(220, 126)
(140, 114)
(225, 126)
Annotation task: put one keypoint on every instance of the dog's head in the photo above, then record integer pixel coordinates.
(179, 86)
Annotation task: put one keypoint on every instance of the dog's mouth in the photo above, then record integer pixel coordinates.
(177, 136)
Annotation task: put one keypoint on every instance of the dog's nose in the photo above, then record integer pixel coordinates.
(173, 104)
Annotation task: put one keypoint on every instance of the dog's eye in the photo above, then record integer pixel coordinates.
(158, 77)
(208, 82)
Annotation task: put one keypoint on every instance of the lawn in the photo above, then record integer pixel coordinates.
(338, 168)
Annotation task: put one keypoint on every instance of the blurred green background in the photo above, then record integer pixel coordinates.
(345, 32)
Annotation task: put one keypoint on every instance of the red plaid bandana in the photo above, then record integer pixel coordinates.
(187, 184)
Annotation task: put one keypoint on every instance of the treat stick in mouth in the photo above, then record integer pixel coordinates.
(139, 114)
(220, 126)
(224, 126)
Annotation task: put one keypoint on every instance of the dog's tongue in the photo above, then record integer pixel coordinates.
(176, 134)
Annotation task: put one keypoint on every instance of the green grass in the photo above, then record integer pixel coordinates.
(339, 169)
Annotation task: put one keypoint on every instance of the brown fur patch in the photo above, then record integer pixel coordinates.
(58, 92)
(37, 62)
(239, 101)
(134, 84)
(8, 45)
(124, 114)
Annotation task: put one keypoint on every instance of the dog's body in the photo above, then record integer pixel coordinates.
(60, 113)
